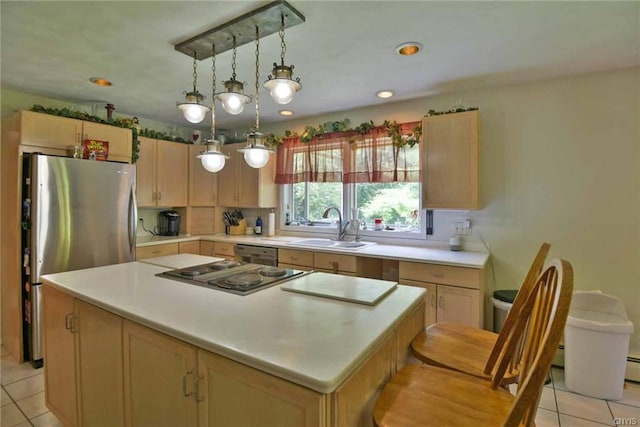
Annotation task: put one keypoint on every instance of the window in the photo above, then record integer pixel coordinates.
(368, 175)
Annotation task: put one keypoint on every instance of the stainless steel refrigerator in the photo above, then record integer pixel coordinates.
(75, 214)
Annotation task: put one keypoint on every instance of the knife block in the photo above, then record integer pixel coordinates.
(241, 228)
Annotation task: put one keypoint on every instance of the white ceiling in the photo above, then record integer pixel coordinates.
(343, 53)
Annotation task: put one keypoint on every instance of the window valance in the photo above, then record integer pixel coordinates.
(349, 157)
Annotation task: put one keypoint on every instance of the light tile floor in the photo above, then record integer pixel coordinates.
(22, 395)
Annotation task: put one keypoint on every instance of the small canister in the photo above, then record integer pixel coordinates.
(377, 224)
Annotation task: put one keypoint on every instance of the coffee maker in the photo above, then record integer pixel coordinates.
(168, 223)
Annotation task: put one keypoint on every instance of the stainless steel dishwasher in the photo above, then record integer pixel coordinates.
(257, 254)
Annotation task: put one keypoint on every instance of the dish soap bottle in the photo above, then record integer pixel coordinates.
(258, 229)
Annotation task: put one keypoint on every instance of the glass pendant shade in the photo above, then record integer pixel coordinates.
(192, 109)
(212, 160)
(282, 87)
(233, 100)
(255, 153)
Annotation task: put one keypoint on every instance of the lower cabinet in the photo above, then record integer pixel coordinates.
(454, 294)
(157, 250)
(207, 248)
(232, 394)
(83, 361)
(334, 263)
(102, 370)
(192, 247)
(297, 260)
(159, 379)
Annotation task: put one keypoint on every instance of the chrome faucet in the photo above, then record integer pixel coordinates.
(342, 231)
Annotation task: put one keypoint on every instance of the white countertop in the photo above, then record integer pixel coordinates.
(431, 255)
(312, 341)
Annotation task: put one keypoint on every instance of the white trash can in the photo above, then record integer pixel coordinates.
(502, 301)
(596, 344)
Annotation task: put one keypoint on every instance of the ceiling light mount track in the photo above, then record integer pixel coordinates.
(267, 18)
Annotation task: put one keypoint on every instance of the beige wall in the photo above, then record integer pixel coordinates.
(560, 163)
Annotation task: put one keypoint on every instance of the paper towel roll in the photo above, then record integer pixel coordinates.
(271, 224)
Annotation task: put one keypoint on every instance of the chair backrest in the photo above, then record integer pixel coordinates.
(541, 322)
(520, 299)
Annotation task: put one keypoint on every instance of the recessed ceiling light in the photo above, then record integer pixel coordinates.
(286, 112)
(100, 81)
(384, 94)
(409, 48)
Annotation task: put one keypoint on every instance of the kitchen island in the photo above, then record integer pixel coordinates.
(152, 351)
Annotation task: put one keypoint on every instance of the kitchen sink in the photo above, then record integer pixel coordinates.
(327, 243)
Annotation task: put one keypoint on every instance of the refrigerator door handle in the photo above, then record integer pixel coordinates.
(133, 213)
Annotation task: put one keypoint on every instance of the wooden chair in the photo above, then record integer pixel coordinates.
(431, 396)
(472, 350)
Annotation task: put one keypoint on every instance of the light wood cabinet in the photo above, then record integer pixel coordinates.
(450, 153)
(334, 263)
(162, 173)
(235, 395)
(59, 356)
(240, 185)
(49, 131)
(189, 247)
(203, 185)
(225, 250)
(157, 250)
(159, 379)
(83, 360)
(454, 294)
(297, 260)
(207, 248)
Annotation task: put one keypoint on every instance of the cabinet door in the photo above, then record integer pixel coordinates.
(248, 184)
(203, 185)
(450, 158)
(119, 139)
(59, 355)
(227, 181)
(430, 299)
(172, 173)
(189, 247)
(207, 248)
(159, 379)
(235, 395)
(146, 173)
(458, 305)
(333, 263)
(99, 368)
(46, 130)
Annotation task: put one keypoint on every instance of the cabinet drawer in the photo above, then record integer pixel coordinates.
(225, 249)
(156, 250)
(289, 256)
(335, 263)
(448, 275)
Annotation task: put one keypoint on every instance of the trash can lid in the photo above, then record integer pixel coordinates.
(599, 312)
(506, 295)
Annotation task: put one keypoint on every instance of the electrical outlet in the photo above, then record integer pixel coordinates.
(462, 228)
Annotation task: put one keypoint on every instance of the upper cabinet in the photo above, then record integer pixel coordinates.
(450, 152)
(203, 185)
(49, 131)
(161, 176)
(240, 185)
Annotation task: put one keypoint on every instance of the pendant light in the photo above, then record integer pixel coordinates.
(280, 85)
(212, 159)
(255, 153)
(233, 99)
(192, 108)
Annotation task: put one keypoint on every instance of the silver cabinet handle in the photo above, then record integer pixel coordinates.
(196, 387)
(335, 267)
(440, 301)
(433, 300)
(184, 384)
